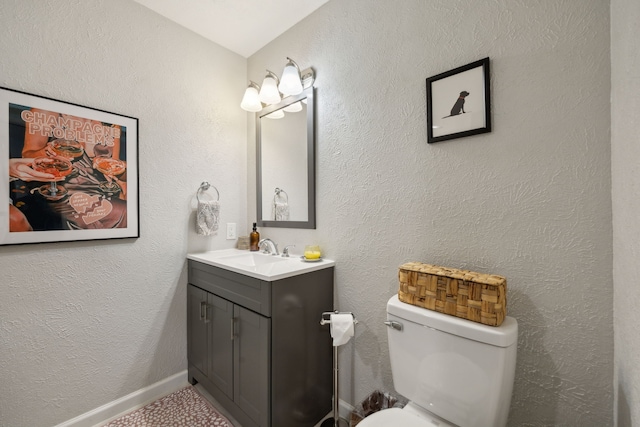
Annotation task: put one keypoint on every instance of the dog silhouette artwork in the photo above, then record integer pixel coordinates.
(458, 107)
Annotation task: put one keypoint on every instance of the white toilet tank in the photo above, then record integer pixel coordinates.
(457, 369)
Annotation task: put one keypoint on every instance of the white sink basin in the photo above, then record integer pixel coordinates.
(259, 265)
(253, 259)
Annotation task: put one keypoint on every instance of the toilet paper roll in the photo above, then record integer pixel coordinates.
(341, 328)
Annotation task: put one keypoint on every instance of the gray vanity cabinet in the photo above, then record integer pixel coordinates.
(209, 346)
(258, 346)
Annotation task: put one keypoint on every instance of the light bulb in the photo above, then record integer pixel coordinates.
(278, 114)
(250, 100)
(290, 83)
(293, 108)
(269, 91)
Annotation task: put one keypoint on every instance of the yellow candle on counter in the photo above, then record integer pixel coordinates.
(312, 252)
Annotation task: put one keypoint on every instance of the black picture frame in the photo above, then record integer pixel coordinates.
(459, 102)
(72, 171)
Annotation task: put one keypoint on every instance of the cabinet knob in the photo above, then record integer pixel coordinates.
(206, 313)
(203, 309)
(233, 323)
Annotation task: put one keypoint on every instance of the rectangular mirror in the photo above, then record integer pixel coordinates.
(285, 163)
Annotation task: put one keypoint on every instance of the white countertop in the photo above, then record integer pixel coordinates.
(258, 265)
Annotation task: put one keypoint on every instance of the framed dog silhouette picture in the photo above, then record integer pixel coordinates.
(459, 102)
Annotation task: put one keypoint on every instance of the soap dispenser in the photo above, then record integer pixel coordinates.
(254, 239)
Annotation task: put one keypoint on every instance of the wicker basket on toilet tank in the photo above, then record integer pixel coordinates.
(474, 296)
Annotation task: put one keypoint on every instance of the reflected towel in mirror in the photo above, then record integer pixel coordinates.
(207, 217)
(281, 211)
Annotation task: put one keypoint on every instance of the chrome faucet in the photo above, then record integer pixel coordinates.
(285, 251)
(271, 247)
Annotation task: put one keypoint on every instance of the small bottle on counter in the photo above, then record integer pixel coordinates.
(254, 239)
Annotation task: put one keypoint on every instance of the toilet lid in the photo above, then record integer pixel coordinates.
(393, 417)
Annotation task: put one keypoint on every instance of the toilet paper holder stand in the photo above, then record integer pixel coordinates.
(326, 317)
(334, 420)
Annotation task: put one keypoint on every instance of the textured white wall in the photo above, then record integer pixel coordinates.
(82, 324)
(530, 200)
(625, 152)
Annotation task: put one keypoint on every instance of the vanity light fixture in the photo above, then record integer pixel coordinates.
(251, 99)
(278, 114)
(293, 82)
(293, 108)
(269, 91)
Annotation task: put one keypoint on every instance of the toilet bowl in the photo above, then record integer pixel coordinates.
(454, 372)
(409, 416)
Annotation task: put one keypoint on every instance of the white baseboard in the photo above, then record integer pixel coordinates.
(139, 398)
(130, 402)
(345, 409)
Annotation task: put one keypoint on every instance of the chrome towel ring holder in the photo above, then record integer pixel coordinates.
(278, 192)
(204, 187)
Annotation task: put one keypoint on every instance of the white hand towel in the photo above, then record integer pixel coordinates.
(207, 217)
(341, 328)
(281, 211)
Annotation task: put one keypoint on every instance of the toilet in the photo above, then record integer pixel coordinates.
(454, 372)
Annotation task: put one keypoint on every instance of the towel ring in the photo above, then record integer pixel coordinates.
(204, 187)
(280, 190)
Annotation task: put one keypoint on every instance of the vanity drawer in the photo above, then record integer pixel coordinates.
(251, 293)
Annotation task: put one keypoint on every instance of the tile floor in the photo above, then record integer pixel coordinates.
(215, 403)
(220, 409)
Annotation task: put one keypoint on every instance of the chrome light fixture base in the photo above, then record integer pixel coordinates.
(307, 76)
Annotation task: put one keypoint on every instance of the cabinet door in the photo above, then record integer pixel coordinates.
(220, 321)
(197, 352)
(252, 362)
